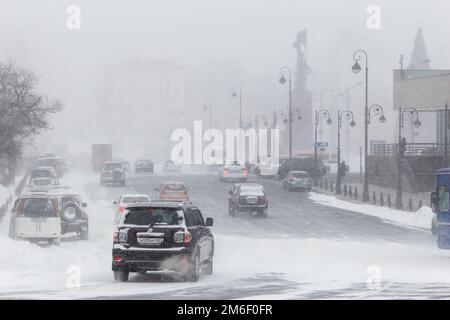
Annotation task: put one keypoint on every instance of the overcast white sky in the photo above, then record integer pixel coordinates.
(254, 36)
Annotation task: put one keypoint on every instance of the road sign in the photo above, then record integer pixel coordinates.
(322, 144)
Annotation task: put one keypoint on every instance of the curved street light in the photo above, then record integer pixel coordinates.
(345, 115)
(319, 114)
(411, 113)
(377, 110)
(356, 68)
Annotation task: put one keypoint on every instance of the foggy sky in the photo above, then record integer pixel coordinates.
(210, 37)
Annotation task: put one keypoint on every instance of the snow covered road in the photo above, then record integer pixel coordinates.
(305, 249)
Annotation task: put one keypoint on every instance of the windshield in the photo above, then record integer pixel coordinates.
(299, 175)
(134, 199)
(174, 187)
(38, 208)
(41, 173)
(112, 166)
(147, 216)
(47, 162)
(249, 189)
(42, 182)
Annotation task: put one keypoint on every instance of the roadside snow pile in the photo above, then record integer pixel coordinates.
(421, 218)
(4, 194)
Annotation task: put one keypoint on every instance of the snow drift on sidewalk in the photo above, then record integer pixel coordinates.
(420, 218)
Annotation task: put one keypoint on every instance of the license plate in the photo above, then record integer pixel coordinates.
(252, 200)
(150, 240)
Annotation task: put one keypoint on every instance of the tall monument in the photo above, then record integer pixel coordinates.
(302, 129)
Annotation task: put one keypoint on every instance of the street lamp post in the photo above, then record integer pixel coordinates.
(349, 117)
(412, 113)
(357, 68)
(237, 90)
(346, 95)
(257, 118)
(283, 71)
(319, 113)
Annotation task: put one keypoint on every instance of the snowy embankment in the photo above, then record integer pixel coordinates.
(420, 218)
(5, 193)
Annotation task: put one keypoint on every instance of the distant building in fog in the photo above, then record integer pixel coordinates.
(143, 98)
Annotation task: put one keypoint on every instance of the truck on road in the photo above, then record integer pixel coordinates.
(101, 153)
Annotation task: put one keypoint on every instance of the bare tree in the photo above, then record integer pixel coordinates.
(23, 113)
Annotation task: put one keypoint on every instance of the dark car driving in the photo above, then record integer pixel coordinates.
(248, 197)
(114, 173)
(163, 236)
(143, 166)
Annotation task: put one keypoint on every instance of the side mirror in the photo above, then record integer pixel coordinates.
(114, 202)
(209, 222)
(84, 205)
(230, 192)
(156, 189)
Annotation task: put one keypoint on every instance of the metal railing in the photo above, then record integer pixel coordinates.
(412, 149)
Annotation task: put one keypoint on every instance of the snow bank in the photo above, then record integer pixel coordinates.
(421, 218)
(5, 192)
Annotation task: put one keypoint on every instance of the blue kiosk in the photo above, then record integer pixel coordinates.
(440, 200)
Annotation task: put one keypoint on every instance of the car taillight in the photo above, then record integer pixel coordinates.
(117, 258)
(121, 209)
(119, 237)
(225, 172)
(245, 172)
(182, 237)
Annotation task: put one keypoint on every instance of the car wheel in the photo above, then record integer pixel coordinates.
(84, 234)
(55, 242)
(209, 266)
(121, 276)
(193, 272)
(263, 213)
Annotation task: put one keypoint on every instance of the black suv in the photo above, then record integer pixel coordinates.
(248, 197)
(114, 173)
(163, 236)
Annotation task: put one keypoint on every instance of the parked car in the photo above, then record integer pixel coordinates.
(125, 200)
(74, 218)
(248, 197)
(40, 185)
(268, 167)
(173, 191)
(233, 171)
(302, 163)
(35, 217)
(44, 172)
(297, 180)
(113, 172)
(163, 236)
(170, 166)
(143, 166)
(125, 165)
(52, 161)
